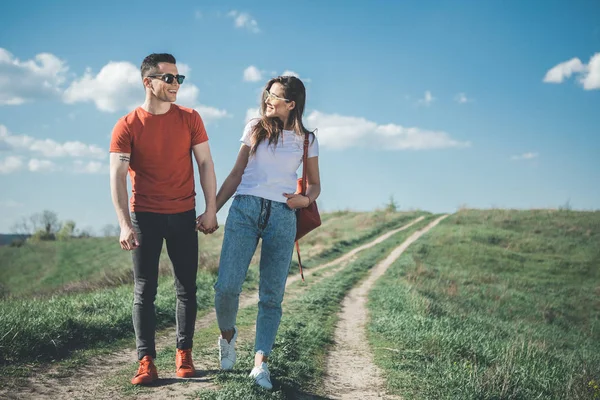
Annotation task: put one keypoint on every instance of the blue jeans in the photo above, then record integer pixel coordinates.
(249, 219)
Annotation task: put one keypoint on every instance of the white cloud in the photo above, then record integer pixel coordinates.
(188, 95)
(10, 164)
(588, 74)
(341, 132)
(24, 81)
(184, 69)
(564, 70)
(462, 98)
(118, 87)
(244, 20)
(427, 100)
(252, 74)
(525, 156)
(211, 113)
(23, 146)
(49, 147)
(252, 113)
(591, 80)
(287, 72)
(36, 165)
(198, 14)
(91, 167)
(10, 204)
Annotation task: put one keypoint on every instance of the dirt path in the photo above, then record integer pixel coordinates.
(351, 373)
(90, 382)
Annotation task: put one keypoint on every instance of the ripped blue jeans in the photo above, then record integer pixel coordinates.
(249, 219)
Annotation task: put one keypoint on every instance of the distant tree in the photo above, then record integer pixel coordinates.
(46, 221)
(85, 233)
(66, 231)
(19, 242)
(22, 227)
(566, 207)
(42, 235)
(110, 230)
(392, 205)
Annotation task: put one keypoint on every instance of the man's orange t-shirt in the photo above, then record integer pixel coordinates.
(160, 167)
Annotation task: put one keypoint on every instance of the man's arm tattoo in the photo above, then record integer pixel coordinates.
(124, 158)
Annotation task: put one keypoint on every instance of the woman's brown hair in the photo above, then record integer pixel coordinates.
(271, 128)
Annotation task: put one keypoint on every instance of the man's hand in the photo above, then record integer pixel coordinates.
(207, 222)
(295, 201)
(129, 239)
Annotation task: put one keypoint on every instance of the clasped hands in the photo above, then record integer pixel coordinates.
(207, 223)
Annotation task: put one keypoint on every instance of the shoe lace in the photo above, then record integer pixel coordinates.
(144, 367)
(267, 372)
(264, 373)
(186, 357)
(224, 350)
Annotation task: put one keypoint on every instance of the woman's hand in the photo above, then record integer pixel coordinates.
(295, 201)
(207, 223)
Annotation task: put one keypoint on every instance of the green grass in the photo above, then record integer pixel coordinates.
(41, 267)
(494, 305)
(297, 362)
(49, 328)
(79, 265)
(83, 265)
(348, 230)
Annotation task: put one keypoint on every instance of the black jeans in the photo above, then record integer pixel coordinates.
(182, 246)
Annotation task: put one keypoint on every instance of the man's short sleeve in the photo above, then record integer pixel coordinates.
(120, 141)
(313, 147)
(199, 134)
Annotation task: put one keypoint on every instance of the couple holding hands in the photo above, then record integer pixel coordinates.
(154, 145)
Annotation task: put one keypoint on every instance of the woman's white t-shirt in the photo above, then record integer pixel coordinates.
(271, 171)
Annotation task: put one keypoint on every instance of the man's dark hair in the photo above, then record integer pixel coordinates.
(151, 62)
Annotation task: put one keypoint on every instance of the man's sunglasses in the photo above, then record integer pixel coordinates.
(168, 78)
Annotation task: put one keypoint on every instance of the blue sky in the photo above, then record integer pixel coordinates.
(440, 104)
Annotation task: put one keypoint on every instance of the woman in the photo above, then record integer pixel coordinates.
(264, 181)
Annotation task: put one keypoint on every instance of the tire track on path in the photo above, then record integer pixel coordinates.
(90, 382)
(351, 372)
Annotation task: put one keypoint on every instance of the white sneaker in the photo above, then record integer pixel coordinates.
(227, 351)
(262, 376)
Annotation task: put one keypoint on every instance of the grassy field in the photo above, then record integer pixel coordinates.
(39, 269)
(298, 358)
(494, 305)
(48, 328)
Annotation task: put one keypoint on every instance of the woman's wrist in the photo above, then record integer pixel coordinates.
(309, 200)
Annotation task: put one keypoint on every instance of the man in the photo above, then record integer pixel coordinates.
(154, 144)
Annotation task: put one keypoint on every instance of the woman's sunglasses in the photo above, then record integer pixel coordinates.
(168, 78)
(274, 96)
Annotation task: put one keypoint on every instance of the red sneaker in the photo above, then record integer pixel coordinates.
(184, 364)
(147, 373)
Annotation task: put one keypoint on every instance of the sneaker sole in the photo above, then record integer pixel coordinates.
(186, 374)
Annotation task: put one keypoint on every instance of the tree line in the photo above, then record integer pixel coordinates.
(47, 226)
